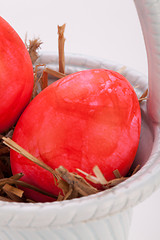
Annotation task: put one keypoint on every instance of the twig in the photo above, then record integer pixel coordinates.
(89, 177)
(99, 175)
(44, 80)
(136, 169)
(24, 184)
(33, 48)
(143, 96)
(117, 173)
(61, 41)
(82, 187)
(54, 73)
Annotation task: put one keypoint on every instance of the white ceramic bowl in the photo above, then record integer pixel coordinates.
(105, 215)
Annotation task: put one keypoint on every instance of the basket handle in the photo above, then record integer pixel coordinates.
(149, 16)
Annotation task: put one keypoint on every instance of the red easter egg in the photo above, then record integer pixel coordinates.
(16, 76)
(85, 119)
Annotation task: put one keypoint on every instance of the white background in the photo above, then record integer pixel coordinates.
(106, 29)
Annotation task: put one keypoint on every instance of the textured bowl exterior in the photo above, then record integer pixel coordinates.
(111, 227)
(107, 213)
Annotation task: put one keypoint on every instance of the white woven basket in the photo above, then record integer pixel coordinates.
(105, 215)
